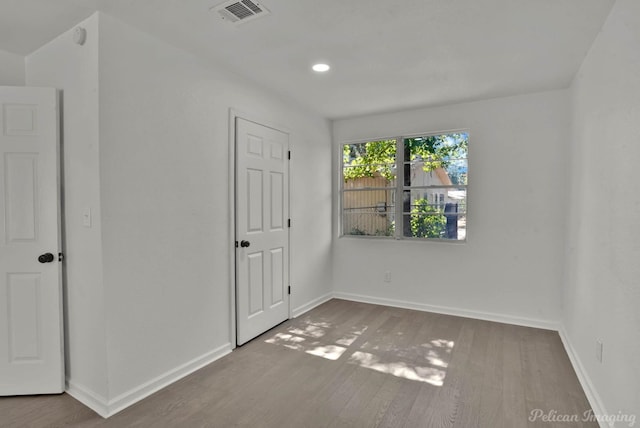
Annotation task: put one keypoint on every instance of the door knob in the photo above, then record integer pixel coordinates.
(46, 258)
(244, 243)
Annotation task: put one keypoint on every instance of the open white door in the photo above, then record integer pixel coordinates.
(262, 233)
(31, 359)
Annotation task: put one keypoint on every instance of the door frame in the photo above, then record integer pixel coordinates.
(233, 115)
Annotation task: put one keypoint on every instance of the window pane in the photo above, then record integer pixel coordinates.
(366, 224)
(368, 212)
(435, 198)
(369, 183)
(436, 160)
(435, 213)
(374, 159)
(443, 146)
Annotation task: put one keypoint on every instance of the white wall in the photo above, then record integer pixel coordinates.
(74, 70)
(12, 69)
(510, 268)
(146, 139)
(164, 185)
(602, 290)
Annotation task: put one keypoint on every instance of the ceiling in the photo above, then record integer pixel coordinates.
(385, 55)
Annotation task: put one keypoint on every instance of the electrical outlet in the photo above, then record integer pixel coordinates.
(599, 347)
(387, 276)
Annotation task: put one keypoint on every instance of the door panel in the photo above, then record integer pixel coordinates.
(254, 201)
(256, 283)
(262, 207)
(277, 276)
(25, 335)
(30, 292)
(277, 201)
(21, 172)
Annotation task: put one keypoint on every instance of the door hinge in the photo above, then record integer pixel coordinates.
(289, 290)
(289, 155)
(236, 244)
(288, 222)
(60, 257)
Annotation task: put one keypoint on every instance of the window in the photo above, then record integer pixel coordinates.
(406, 187)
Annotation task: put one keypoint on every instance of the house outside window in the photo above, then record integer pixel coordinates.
(427, 174)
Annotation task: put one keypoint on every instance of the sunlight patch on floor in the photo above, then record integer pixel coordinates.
(426, 362)
(348, 339)
(330, 352)
(401, 369)
(288, 341)
(309, 331)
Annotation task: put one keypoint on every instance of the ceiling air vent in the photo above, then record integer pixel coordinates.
(241, 11)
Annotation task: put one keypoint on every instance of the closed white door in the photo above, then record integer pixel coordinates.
(31, 359)
(262, 232)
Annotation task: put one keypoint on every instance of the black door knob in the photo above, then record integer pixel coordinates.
(46, 258)
(244, 243)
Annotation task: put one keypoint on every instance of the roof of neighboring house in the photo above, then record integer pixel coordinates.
(443, 176)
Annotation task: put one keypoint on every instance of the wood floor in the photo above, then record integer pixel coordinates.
(348, 364)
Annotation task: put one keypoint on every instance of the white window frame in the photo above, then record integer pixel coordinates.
(400, 188)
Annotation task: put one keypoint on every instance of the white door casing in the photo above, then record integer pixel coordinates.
(31, 344)
(262, 211)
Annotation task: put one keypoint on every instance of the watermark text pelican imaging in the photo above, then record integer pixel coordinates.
(588, 416)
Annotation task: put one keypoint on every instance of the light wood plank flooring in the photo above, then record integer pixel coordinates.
(348, 364)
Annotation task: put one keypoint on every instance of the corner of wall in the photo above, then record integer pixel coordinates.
(583, 376)
(600, 299)
(12, 69)
(73, 70)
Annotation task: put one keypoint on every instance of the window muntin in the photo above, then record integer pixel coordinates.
(432, 190)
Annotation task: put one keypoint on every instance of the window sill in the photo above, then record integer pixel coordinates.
(391, 238)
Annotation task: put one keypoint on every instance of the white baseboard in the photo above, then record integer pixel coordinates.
(583, 377)
(487, 316)
(94, 401)
(310, 305)
(109, 408)
(128, 398)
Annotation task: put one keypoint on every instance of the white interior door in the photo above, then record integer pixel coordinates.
(262, 232)
(30, 289)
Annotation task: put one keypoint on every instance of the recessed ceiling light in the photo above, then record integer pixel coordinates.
(320, 68)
